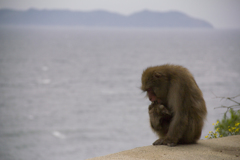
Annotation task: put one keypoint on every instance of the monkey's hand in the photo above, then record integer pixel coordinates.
(150, 107)
(165, 141)
(153, 105)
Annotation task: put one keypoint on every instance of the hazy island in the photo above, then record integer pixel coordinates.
(142, 19)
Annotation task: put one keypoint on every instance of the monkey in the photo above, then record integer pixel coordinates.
(160, 118)
(175, 87)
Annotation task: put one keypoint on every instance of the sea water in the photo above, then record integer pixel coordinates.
(74, 93)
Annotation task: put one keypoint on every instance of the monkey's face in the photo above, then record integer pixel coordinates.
(151, 95)
(155, 84)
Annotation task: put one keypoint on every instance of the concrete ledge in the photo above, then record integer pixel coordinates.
(227, 148)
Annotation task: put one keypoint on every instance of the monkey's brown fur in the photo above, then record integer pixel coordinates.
(174, 87)
(160, 118)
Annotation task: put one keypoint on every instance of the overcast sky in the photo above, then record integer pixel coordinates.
(220, 13)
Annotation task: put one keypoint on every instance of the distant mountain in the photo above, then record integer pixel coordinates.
(100, 19)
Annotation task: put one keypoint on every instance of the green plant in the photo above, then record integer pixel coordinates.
(228, 125)
(215, 134)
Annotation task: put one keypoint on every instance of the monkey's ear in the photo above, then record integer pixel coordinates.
(158, 75)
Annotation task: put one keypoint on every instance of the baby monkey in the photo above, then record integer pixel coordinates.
(160, 118)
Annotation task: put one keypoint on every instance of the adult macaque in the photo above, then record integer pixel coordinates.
(160, 118)
(174, 87)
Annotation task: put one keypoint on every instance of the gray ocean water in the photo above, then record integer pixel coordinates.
(73, 93)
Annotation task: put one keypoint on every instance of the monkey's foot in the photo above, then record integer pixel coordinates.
(162, 141)
(158, 142)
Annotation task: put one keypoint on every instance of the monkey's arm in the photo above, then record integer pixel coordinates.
(179, 121)
(177, 128)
